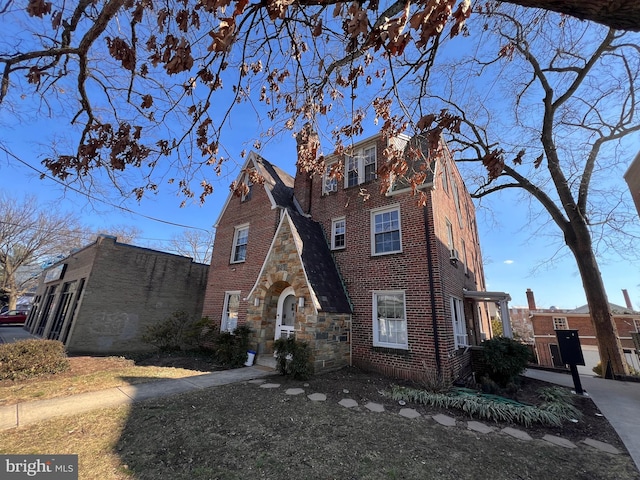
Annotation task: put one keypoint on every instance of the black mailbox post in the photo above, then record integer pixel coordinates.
(571, 353)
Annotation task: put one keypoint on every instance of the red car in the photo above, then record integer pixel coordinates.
(14, 316)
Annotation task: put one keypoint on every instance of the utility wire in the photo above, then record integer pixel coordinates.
(91, 197)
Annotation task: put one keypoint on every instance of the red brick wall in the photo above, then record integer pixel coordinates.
(364, 273)
(545, 334)
(226, 276)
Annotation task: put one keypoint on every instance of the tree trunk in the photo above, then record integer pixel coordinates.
(606, 332)
(617, 14)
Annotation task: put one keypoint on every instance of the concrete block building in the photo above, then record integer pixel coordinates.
(101, 298)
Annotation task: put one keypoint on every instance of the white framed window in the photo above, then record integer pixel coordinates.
(338, 231)
(390, 319)
(560, 323)
(360, 167)
(451, 245)
(636, 323)
(240, 240)
(464, 256)
(230, 311)
(445, 176)
(386, 235)
(456, 200)
(329, 183)
(459, 323)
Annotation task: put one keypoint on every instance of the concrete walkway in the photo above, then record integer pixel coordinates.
(618, 401)
(31, 412)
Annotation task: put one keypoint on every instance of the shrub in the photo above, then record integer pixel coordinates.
(202, 334)
(431, 381)
(293, 358)
(505, 359)
(231, 348)
(32, 358)
(173, 334)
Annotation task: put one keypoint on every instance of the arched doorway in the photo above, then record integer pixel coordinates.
(286, 316)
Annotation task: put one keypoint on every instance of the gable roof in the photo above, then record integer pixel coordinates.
(277, 183)
(320, 270)
(319, 266)
(615, 310)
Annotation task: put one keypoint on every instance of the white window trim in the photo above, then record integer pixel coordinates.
(329, 184)
(359, 156)
(237, 230)
(372, 222)
(334, 222)
(224, 322)
(561, 320)
(460, 335)
(374, 309)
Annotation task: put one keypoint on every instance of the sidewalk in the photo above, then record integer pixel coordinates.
(31, 412)
(618, 401)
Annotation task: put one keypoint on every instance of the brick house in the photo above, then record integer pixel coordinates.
(366, 278)
(101, 298)
(546, 321)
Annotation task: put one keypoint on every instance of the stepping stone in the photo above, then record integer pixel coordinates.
(445, 420)
(409, 413)
(257, 381)
(348, 403)
(519, 434)
(317, 397)
(602, 446)
(561, 442)
(294, 391)
(479, 427)
(375, 407)
(270, 385)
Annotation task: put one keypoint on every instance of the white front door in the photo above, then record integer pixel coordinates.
(285, 320)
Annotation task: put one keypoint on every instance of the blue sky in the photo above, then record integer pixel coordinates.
(514, 259)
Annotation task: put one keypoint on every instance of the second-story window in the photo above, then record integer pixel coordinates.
(338, 230)
(385, 231)
(240, 240)
(361, 167)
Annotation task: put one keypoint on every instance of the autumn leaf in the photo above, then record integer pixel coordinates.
(538, 161)
(38, 8)
(518, 159)
(147, 101)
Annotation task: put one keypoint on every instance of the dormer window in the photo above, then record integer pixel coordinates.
(360, 167)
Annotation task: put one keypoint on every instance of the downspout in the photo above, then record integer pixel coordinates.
(436, 342)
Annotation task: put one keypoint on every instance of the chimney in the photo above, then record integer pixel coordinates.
(307, 148)
(627, 299)
(530, 300)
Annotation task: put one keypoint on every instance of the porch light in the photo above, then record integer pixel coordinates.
(301, 302)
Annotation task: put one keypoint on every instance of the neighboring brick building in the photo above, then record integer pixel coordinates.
(101, 298)
(367, 278)
(546, 321)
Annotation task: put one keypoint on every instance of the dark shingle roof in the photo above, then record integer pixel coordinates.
(319, 265)
(279, 182)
